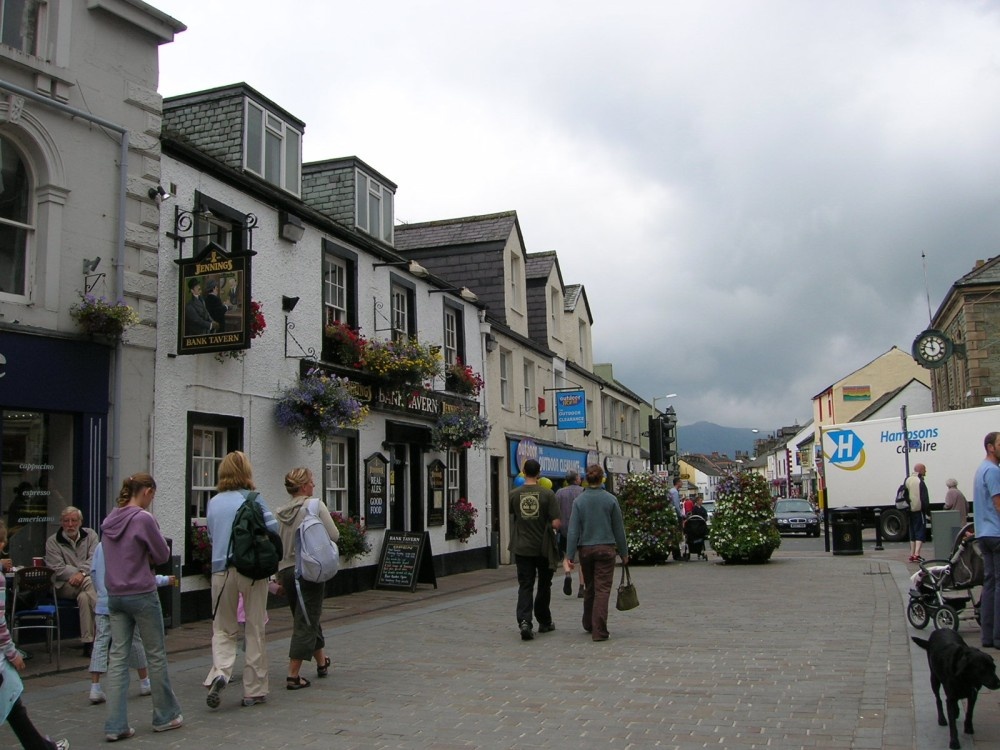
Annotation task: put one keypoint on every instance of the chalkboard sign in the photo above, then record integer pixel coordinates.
(405, 560)
(376, 490)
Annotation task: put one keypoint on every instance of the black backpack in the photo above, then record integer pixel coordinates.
(254, 550)
(903, 497)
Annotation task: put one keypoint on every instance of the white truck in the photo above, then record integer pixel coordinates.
(865, 462)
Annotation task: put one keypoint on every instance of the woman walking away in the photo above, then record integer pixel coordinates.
(234, 486)
(596, 529)
(132, 542)
(29, 737)
(307, 633)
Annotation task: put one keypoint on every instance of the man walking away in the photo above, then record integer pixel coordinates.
(920, 501)
(566, 496)
(534, 512)
(986, 514)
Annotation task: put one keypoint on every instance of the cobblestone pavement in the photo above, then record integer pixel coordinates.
(808, 651)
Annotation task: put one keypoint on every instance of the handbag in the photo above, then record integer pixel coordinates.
(628, 598)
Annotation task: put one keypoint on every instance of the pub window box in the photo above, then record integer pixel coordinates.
(345, 345)
(461, 378)
(462, 520)
(402, 363)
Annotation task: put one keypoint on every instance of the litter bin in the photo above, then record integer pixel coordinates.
(945, 525)
(845, 527)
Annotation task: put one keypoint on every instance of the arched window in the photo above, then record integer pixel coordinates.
(16, 229)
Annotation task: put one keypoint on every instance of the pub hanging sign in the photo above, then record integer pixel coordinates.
(214, 302)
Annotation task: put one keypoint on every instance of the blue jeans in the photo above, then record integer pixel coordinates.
(140, 611)
(989, 605)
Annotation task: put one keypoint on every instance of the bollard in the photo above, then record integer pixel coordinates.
(878, 530)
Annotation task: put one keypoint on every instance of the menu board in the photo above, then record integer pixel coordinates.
(405, 560)
(376, 490)
(435, 493)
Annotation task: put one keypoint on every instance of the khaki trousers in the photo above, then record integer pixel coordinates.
(226, 590)
(86, 599)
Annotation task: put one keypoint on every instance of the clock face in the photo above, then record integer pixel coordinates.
(932, 348)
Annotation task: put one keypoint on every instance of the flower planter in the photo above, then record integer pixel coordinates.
(317, 406)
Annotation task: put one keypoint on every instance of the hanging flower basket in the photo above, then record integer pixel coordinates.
(201, 549)
(317, 406)
(257, 326)
(96, 315)
(743, 528)
(460, 378)
(462, 517)
(346, 344)
(401, 364)
(353, 541)
(460, 430)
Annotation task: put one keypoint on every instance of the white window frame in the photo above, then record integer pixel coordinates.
(373, 206)
(399, 312)
(450, 335)
(506, 362)
(454, 478)
(529, 387)
(515, 282)
(205, 467)
(41, 21)
(287, 172)
(27, 248)
(334, 289)
(336, 474)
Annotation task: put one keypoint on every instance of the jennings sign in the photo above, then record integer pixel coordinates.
(214, 302)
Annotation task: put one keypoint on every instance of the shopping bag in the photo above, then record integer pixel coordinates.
(628, 598)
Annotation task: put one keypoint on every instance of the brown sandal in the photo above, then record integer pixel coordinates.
(322, 670)
(296, 683)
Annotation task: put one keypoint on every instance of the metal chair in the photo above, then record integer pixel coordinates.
(44, 615)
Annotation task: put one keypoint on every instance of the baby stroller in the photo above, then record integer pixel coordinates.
(695, 533)
(941, 589)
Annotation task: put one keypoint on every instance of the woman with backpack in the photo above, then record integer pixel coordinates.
(236, 487)
(305, 597)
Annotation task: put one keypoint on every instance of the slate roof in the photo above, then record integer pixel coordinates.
(984, 274)
(466, 251)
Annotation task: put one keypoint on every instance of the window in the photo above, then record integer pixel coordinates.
(208, 447)
(335, 475)
(334, 290)
(554, 312)
(16, 229)
(505, 367)
(582, 332)
(454, 485)
(219, 223)
(273, 148)
(402, 309)
(22, 25)
(515, 278)
(374, 208)
(529, 387)
(454, 333)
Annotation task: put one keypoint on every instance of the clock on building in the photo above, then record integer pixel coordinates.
(932, 348)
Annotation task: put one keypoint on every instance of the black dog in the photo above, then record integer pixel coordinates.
(962, 670)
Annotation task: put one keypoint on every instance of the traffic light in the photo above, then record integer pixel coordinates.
(656, 457)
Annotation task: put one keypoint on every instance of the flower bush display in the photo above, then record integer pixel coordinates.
(460, 430)
(97, 315)
(346, 343)
(317, 405)
(353, 541)
(201, 549)
(461, 378)
(257, 326)
(651, 524)
(743, 528)
(462, 517)
(405, 362)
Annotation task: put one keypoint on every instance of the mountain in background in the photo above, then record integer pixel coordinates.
(708, 438)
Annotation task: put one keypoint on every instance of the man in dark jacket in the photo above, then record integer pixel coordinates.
(534, 512)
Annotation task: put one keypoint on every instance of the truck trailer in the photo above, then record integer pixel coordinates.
(865, 462)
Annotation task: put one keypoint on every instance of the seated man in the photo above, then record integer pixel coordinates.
(69, 552)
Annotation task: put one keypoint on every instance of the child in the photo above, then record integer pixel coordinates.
(24, 730)
(102, 638)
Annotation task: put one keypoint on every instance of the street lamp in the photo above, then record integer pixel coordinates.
(661, 398)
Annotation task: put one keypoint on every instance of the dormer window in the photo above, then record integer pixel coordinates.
(374, 208)
(273, 149)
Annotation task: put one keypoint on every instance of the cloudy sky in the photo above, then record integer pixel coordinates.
(746, 187)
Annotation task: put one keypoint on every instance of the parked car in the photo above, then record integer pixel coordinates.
(709, 505)
(796, 516)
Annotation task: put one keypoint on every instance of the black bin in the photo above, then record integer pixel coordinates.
(845, 527)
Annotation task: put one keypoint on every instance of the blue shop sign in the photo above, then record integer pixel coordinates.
(571, 410)
(555, 462)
